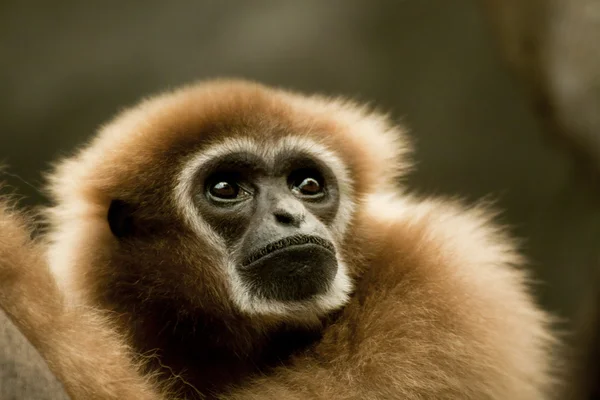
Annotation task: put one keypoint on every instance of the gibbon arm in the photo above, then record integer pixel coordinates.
(79, 345)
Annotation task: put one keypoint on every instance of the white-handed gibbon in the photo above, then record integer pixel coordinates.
(234, 241)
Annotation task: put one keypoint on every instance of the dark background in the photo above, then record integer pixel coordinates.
(66, 67)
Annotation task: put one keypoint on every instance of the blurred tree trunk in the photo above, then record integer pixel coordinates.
(554, 47)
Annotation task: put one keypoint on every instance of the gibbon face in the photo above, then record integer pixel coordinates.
(274, 217)
(227, 196)
(274, 212)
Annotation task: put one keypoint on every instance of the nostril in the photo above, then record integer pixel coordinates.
(284, 218)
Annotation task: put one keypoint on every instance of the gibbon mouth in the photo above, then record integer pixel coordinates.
(286, 243)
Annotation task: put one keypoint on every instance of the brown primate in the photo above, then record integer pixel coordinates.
(229, 240)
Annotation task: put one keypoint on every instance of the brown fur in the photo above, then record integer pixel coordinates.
(438, 311)
(79, 344)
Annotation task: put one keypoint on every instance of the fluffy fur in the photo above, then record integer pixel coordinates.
(79, 344)
(439, 308)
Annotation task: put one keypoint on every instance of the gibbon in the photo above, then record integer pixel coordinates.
(230, 240)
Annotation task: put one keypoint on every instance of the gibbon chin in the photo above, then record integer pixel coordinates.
(234, 241)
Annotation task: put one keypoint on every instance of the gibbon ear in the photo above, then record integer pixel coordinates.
(120, 218)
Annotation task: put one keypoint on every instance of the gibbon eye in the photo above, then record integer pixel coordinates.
(227, 191)
(307, 184)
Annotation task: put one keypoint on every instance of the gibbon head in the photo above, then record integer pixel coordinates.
(227, 196)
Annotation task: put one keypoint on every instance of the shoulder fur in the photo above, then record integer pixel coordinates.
(466, 267)
(443, 312)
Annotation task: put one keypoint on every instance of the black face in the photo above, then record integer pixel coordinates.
(275, 221)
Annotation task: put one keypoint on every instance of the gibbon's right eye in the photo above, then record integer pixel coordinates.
(227, 191)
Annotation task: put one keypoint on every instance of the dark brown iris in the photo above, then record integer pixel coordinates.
(224, 190)
(309, 187)
(307, 183)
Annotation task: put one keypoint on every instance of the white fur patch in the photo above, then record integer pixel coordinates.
(77, 221)
(336, 296)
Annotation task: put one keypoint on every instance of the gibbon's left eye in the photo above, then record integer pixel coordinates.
(307, 184)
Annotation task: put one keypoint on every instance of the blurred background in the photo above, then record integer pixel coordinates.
(501, 96)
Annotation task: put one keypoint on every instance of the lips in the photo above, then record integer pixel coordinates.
(282, 244)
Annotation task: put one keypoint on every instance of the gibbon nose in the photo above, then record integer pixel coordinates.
(289, 213)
